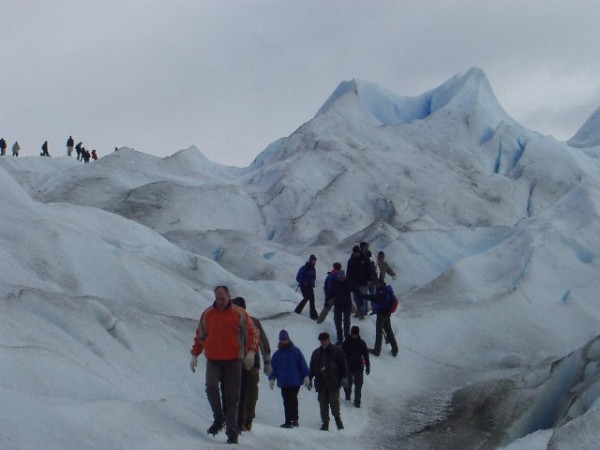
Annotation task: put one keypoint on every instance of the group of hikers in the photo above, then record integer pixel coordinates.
(232, 341)
(351, 291)
(82, 153)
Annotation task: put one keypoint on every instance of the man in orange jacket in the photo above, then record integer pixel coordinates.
(227, 336)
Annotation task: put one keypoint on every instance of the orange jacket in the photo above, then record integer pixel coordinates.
(225, 335)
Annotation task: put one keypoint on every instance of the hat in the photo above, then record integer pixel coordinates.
(239, 301)
(356, 249)
(283, 335)
(354, 330)
(312, 258)
(341, 274)
(324, 335)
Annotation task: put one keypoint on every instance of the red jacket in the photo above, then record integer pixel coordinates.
(225, 335)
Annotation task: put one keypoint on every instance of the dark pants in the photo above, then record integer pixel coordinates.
(229, 375)
(329, 398)
(338, 314)
(382, 324)
(308, 295)
(290, 403)
(355, 377)
(248, 396)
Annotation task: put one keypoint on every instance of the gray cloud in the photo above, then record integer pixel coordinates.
(231, 77)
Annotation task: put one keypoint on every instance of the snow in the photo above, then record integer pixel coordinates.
(493, 230)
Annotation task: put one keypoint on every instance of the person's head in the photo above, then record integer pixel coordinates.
(222, 297)
(337, 266)
(354, 332)
(324, 339)
(355, 251)
(284, 336)
(381, 256)
(312, 259)
(364, 246)
(239, 301)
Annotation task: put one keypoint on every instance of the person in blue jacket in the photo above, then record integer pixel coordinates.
(290, 370)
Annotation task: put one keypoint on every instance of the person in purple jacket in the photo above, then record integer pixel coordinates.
(290, 370)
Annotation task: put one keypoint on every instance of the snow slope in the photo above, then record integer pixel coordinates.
(492, 228)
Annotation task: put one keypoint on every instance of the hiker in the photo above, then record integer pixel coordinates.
(357, 357)
(227, 336)
(290, 371)
(45, 149)
(384, 268)
(94, 155)
(359, 272)
(342, 291)
(15, 149)
(3, 146)
(70, 144)
(78, 150)
(306, 277)
(327, 288)
(382, 303)
(329, 370)
(250, 377)
(85, 155)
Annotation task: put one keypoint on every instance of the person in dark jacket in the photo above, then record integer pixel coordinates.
(306, 277)
(357, 357)
(359, 271)
(342, 291)
(329, 369)
(45, 149)
(290, 371)
(382, 304)
(70, 144)
(3, 146)
(328, 290)
(78, 150)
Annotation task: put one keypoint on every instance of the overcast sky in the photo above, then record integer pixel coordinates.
(230, 77)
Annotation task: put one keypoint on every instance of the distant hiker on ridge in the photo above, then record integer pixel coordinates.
(15, 149)
(45, 149)
(70, 144)
(3, 146)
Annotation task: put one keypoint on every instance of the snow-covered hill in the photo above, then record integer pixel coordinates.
(493, 229)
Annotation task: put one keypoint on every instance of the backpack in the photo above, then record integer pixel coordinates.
(394, 299)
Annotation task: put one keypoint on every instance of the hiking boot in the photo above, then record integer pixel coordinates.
(395, 353)
(248, 425)
(324, 427)
(294, 424)
(232, 439)
(357, 404)
(348, 398)
(372, 351)
(215, 428)
(286, 425)
(339, 424)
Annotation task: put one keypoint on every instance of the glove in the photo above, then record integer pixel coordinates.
(194, 363)
(272, 383)
(249, 360)
(345, 383)
(267, 369)
(368, 370)
(307, 383)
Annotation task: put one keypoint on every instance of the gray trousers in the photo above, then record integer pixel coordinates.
(229, 374)
(329, 398)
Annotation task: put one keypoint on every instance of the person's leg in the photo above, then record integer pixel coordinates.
(286, 395)
(294, 405)
(348, 390)
(334, 401)
(302, 303)
(232, 382)
(314, 315)
(324, 405)
(361, 311)
(378, 330)
(242, 401)
(387, 326)
(251, 397)
(213, 379)
(347, 312)
(358, 383)
(337, 320)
